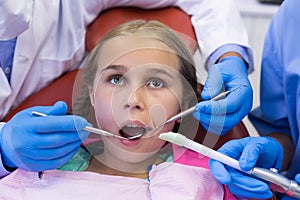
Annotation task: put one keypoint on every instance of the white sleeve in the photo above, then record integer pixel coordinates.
(138, 3)
(15, 17)
(216, 23)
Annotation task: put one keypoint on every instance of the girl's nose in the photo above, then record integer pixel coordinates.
(135, 100)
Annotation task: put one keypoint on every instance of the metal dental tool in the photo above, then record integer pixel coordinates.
(192, 109)
(277, 182)
(94, 130)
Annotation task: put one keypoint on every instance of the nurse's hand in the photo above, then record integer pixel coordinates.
(262, 152)
(41, 143)
(297, 179)
(221, 116)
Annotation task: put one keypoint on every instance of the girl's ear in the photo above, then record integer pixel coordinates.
(91, 95)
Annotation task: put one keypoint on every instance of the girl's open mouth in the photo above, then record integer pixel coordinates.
(133, 132)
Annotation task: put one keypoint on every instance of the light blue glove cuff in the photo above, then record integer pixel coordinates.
(245, 52)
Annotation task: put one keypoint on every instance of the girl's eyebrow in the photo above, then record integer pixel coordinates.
(160, 71)
(150, 71)
(114, 67)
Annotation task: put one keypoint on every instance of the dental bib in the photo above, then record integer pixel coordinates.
(167, 181)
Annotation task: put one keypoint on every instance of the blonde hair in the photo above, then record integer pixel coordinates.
(151, 29)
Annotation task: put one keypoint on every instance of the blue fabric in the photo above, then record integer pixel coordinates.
(7, 49)
(279, 109)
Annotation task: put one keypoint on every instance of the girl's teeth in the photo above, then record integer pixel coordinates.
(132, 126)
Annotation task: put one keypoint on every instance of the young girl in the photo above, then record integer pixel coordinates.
(139, 75)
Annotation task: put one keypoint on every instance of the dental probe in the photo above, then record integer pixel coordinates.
(277, 181)
(192, 109)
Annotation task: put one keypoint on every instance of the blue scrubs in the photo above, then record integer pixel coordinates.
(7, 49)
(279, 109)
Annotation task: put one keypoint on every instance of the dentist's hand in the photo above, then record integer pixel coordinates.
(221, 116)
(297, 179)
(41, 143)
(262, 152)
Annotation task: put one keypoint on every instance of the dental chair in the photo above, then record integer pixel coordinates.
(62, 88)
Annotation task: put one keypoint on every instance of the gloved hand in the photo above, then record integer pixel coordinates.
(221, 116)
(37, 143)
(297, 179)
(263, 152)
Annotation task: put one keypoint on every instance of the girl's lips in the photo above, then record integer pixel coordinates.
(131, 142)
(133, 122)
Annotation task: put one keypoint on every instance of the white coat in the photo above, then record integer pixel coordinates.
(51, 36)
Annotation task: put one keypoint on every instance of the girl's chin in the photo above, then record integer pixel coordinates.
(127, 158)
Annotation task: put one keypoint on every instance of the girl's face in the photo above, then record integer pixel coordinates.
(137, 87)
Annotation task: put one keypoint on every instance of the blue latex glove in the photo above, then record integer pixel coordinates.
(221, 116)
(40, 143)
(263, 152)
(297, 179)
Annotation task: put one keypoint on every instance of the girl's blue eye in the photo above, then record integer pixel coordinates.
(156, 83)
(117, 80)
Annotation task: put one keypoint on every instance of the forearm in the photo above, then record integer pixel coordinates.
(231, 53)
(287, 145)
